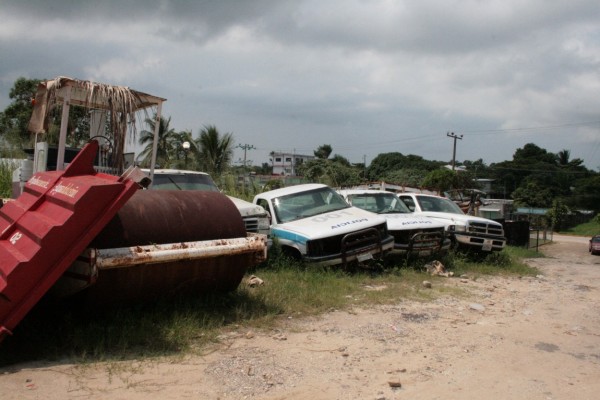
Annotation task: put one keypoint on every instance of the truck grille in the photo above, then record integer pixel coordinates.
(366, 238)
(251, 224)
(404, 236)
(487, 229)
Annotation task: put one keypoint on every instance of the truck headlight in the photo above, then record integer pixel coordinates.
(263, 223)
(457, 228)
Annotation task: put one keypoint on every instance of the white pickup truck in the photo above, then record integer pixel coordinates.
(467, 231)
(313, 222)
(413, 234)
(255, 217)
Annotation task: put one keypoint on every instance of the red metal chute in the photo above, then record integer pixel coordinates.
(48, 226)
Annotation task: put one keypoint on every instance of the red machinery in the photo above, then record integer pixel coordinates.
(48, 226)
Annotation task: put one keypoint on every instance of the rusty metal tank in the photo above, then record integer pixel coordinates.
(170, 216)
(127, 262)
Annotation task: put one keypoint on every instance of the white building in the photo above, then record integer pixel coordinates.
(286, 163)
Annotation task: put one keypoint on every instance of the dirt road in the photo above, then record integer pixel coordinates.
(499, 338)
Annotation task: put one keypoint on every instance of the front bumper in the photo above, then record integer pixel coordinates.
(423, 244)
(480, 242)
(377, 250)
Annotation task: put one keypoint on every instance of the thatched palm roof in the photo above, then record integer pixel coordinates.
(120, 101)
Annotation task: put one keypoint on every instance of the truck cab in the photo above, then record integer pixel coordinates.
(314, 223)
(467, 231)
(414, 234)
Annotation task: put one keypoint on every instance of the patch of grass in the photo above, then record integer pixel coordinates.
(506, 262)
(589, 228)
(167, 326)
(56, 331)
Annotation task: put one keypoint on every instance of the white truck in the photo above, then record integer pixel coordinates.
(313, 222)
(467, 231)
(254, 216)
(413, 234)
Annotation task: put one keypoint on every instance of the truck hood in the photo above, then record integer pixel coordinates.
(457, 219)
(397, 222)
(332, 223)
(246, 208)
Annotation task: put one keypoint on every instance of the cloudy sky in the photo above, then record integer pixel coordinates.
(365, 76)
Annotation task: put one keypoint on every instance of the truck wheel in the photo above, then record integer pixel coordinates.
(291, 253)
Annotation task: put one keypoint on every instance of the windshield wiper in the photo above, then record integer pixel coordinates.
(174, 183)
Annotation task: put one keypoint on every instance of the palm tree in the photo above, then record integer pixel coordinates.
(563, 159)
(167, 139)
(216, 151)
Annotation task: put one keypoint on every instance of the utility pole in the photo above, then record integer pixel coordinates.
(245, 147)
(453, 136)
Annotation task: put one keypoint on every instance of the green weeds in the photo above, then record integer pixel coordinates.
(174, 326)
(6, 171)
(589, 228)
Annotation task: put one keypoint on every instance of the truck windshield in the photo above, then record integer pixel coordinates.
(380, 203)
(184, 182)
(438, 204)
(307, 204)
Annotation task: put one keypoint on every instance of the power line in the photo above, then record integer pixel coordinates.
(531, 128)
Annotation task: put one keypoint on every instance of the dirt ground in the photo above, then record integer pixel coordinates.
(511, 338)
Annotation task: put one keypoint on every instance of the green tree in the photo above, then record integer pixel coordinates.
(440, 180)
(532, 194)
(563, 159)
(534, 165)
(531, 153)
(323, 151)
(264, 169)
(558, 215)
(410, 177)
(478, 168)
(586, 193)
(341, 160)
(15, 118)
(330, 172)
(167, 139)
(385, 163)
(216, 150)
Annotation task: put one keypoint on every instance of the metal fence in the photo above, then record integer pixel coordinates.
(539, 237)
(523, 234)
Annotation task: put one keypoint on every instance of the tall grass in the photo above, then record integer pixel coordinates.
(6, 171)
(589, 228)
(173, 326)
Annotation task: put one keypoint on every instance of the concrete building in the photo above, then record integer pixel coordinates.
(286, 163)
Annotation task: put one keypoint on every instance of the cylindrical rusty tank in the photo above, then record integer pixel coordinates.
(151, 219)
(170, 216)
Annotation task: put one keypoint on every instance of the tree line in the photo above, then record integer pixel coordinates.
(533, 178)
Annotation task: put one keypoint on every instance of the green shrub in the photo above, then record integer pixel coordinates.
(6, 171)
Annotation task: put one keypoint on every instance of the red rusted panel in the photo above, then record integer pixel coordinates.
(48, 226)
